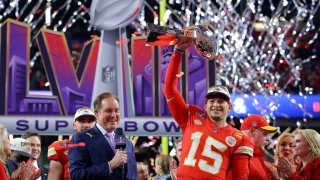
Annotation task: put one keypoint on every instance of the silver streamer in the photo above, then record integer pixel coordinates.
(258, 49)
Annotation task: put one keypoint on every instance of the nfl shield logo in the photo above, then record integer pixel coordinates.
(108, 74)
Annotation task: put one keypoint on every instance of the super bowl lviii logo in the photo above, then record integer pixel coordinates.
(71, 88)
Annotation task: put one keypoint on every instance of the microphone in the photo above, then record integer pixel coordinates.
(120, 139)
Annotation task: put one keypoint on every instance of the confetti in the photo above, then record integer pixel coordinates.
(180, 74)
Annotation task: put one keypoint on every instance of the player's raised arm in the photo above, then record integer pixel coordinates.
(177, 105)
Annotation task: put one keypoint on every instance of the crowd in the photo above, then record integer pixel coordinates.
(209, 148)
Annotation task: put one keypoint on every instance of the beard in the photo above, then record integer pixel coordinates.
(215, 118)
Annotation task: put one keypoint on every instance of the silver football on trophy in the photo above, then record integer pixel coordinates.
(204, 39)
(205, 42)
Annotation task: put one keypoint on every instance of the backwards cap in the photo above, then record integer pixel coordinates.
(21, 146)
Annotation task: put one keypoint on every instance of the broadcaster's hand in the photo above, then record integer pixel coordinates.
(119, 159)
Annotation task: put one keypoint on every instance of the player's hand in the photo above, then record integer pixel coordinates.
(184, 42)
(118, 160)
(272, 171)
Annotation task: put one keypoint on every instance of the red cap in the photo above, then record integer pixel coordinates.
(257, 121)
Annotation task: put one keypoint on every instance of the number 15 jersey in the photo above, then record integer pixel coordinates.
(206, 149)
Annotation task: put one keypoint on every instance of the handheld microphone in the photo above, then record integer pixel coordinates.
(120, 139)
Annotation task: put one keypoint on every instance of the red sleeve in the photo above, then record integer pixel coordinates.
(316, 174)
(58, 151)
(311, 171)
(3, 173)
(240, 166)
(295, 176)
(176, 103)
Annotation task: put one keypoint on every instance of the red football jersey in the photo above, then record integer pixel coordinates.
(58, 151)
(257, 167)
(207, 149)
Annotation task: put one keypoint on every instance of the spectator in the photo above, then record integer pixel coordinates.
(284, 149)
(178, 147)
(20, 152)
(210, 146)
(35, 142)
(84, 119)
(23, 171)
(143, 173)
(4, 152)
(174, 164)
(99, 159)
(163, 167)
(307, 148)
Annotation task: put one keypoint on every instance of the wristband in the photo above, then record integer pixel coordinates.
(179, 51)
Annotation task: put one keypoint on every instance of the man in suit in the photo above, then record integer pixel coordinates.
(99, 159)
(84, 119)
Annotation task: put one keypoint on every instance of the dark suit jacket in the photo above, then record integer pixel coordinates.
(11, 165)
(91, 161)
(44, 173)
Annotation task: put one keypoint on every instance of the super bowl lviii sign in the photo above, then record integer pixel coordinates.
(52, 113)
